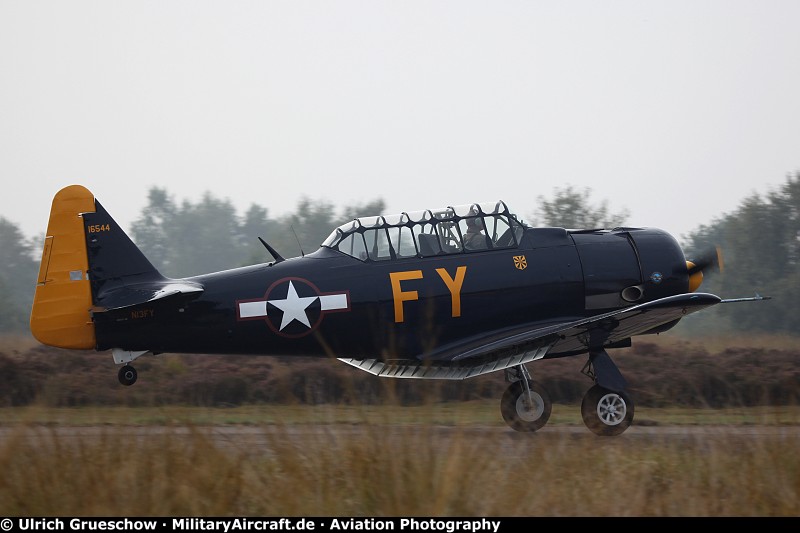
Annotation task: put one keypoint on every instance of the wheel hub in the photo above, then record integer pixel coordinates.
(530, 409)
(611, 409)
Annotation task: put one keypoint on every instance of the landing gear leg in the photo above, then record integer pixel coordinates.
(525, 406)
(127, 375)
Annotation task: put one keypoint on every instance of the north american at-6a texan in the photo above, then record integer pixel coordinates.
(448, 293)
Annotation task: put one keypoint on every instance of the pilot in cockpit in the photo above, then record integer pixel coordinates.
(474, 239)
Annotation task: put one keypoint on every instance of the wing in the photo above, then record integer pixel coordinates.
(477, 356)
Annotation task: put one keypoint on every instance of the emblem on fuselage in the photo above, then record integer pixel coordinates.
(293, 307)
(520, 263)
(656, 277)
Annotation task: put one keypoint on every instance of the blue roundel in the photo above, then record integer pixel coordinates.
(656, 277)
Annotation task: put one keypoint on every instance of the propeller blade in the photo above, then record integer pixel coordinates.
(711, 259)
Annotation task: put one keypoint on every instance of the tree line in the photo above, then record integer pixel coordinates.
(759, 250)
(188, 239)
(760, 243)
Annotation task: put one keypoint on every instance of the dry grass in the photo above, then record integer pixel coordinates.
(364, 463)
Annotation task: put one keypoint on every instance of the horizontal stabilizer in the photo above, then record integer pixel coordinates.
(141, 293)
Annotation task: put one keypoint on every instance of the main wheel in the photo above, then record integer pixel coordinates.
(522, 413)
(605, 412)
(127, 375)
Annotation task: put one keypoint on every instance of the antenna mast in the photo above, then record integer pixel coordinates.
(298, 241)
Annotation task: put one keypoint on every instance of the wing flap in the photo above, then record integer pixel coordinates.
(444, 370)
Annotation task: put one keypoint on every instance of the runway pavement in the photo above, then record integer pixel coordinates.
(264, 438)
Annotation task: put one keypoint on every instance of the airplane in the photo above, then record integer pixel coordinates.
(399, 296)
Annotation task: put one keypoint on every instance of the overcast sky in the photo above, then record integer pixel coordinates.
(673, 110)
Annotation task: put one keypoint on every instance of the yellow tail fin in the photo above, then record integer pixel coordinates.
(61, 304)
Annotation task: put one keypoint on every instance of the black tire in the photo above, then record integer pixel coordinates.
(520, 416)
(127, 375)
(605, 412)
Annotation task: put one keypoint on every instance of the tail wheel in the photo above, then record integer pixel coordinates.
(127, 375)
(523, 412)
(605, 412)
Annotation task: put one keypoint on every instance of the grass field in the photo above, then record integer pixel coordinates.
(454, 459)
(421, 458)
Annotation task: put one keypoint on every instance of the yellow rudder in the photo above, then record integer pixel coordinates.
(61, 304)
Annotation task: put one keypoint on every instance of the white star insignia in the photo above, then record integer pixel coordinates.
(294, 307)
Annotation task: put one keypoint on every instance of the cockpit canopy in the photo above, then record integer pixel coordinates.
(450, 230)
